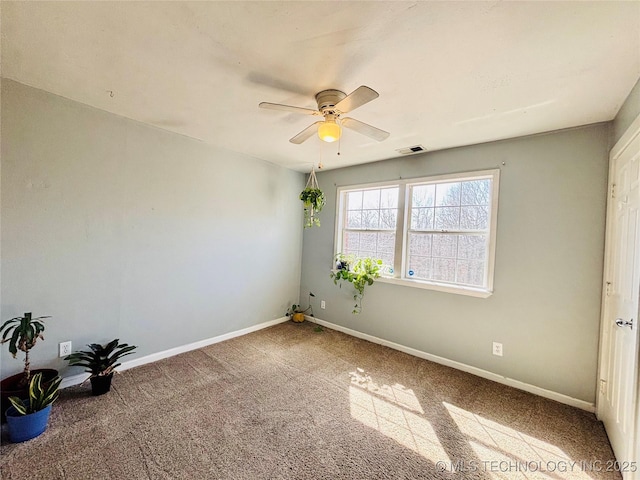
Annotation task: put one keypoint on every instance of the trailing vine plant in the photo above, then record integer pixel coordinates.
(359, 272)
(313, 200)
(296, 312)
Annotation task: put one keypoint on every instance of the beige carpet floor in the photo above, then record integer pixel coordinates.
(288, 402)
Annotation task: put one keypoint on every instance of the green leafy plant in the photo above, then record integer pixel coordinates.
(39, 396)
(295, 310)
(101, 360)
(344, 262)
(313, 200)
(22, 333)
(361, 272)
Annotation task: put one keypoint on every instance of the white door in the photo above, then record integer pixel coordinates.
(618, 392)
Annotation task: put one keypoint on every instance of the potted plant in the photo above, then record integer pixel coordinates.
(296, 312)
(29, 418)
(100, 362)
(364, 271)
(313, 200)
(22, 333)
(343, 262)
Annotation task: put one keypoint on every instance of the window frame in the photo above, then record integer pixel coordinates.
(341, 209)
(403, 224)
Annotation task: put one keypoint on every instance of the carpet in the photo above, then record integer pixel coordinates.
(288, 402)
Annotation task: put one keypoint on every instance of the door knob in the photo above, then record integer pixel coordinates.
(624, 323)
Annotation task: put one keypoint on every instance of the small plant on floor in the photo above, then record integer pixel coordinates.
(22, 333)
(39, 397)
(27, 418)
(364, 271)
(296, 312)
(101, 363)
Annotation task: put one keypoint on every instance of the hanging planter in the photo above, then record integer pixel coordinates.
(313, 200)
(359, 272)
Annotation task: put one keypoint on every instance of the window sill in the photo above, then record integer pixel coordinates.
(440, 287)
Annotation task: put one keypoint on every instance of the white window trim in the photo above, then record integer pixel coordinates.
(402, 219)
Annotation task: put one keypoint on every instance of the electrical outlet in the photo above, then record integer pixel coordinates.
(497, 349)
(322, 304)
(65, 349)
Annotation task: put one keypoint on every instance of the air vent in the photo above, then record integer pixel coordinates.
(411, 150)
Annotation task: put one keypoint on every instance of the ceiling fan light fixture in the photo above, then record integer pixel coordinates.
(331, 105)
(329, 130)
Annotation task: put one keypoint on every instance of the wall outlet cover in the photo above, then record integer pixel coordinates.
(65, 349)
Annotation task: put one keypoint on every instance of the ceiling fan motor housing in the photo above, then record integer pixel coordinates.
(328, 99)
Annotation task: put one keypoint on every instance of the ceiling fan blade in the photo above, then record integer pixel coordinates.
(305, 134)
(364, 129)
(357, 98)
(288, 108)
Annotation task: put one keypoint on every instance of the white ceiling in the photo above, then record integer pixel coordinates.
(448, 73)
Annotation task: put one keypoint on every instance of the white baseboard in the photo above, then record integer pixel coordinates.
(73, 380)
(558, 397)
(154, 357)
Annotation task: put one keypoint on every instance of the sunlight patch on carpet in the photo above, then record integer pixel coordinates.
(394, 411)
(505, 452)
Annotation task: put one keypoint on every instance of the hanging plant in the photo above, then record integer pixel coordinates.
(313, 200)
(359, 272)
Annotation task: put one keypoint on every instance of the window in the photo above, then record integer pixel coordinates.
(435, 232)
(371, 217)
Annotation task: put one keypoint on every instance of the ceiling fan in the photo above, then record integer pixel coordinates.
(331, 105)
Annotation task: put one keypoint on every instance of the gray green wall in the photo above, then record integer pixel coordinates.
(627, 114)
(546, 303)
(121, 230)
(118, 229)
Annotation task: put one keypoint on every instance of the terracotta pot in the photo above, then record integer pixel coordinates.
(9, 387)
(298, 317)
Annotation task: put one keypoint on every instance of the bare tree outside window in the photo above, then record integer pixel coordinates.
(372, 216)
(449, 231)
